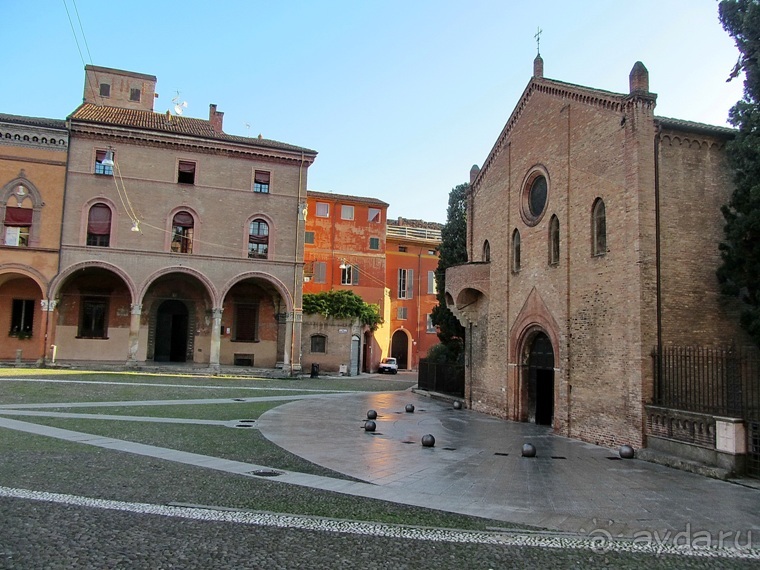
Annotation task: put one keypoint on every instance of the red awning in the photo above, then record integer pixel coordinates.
(18, 216)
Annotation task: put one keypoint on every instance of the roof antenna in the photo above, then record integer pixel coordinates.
(179, 106)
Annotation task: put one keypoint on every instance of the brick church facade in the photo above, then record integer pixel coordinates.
(604, 248)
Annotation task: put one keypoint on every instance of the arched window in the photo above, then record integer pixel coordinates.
(598, 228)
(99, 226)
(486, 251)
(182, 232)
(258, 239)
(516, 251)
(554, 240)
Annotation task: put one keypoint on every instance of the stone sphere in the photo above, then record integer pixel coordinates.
(372, 415)
(428, 440)
(528, 450)
(626, 452)
(369, 425)
(410, 408)
(457, 405)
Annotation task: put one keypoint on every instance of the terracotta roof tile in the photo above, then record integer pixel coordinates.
(160, 122)
(33, 121)
(346, 198)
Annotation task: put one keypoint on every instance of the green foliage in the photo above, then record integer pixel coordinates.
(452, 251)
(739, 274)
(452, 351)
(342, 304)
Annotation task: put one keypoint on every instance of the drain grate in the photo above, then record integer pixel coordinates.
(407, 442)
(244, 425)
(449, 448)
(266, 473)
(238, 399)
(558, 457)
(502, 454)
(374, 433)
(614, 458)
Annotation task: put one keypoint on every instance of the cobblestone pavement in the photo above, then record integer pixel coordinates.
(671, 519)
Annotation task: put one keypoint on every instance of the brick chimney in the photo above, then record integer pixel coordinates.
(638, 79)
(474, 171)
(215, 118)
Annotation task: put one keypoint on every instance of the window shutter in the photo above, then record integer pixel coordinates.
(409, 283)
(354, 274)
(320, 272)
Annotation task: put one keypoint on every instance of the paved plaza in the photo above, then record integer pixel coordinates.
(572, 495)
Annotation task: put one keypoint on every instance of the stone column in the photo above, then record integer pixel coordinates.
(48, 308)
(134, 335)
(216, 338)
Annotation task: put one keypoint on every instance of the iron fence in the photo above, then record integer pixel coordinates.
(721, 381)
(443, 377)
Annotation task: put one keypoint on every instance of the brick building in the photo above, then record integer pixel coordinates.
(345, 249)
(180, 243)
(411, 261)
(593, 230)
(32, 174)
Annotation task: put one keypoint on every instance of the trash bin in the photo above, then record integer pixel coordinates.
(315, 370)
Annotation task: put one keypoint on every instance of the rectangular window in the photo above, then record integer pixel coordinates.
(374, 243)
(22, 317)
(320, 272)
(432, 288)
(246, 323)
(346, 212)
(431, 252)
(405, 283)
(430, 325)
(261, 181)
(349, 275)
(319, 343)
(134, 94)
(105, 90)
(186, 172)
(308, 237)
(402, 248)
(401, 313)
(323, 209)
(17, 224)
(93, 318)
(374, 215)
(100, 168)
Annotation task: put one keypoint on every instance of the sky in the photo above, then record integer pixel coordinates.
(399, 97)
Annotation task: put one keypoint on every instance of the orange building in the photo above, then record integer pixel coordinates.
(350, 244)
(345, 249)
(33, 155)
(411, 260)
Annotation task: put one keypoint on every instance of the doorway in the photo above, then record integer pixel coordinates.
(541, 381)
(400, 349)
(171, 332)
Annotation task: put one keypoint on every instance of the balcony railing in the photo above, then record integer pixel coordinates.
(416, 233)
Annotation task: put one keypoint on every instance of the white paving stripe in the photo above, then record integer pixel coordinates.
(591, 543)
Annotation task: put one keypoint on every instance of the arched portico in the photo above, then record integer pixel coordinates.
(258, 323)
(22, 309)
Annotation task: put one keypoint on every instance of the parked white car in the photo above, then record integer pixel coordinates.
(388, 365)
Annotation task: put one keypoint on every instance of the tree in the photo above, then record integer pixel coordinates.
(739, 273)
(342, 304)
(452, 251)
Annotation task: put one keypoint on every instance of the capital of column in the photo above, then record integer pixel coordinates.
(136, 309)
(217, 312)
(48, 305)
